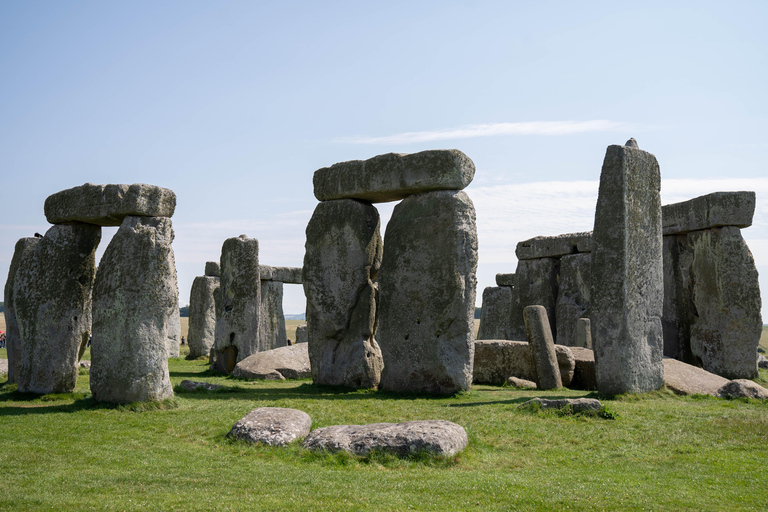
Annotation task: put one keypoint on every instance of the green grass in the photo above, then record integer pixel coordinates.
(661, 452)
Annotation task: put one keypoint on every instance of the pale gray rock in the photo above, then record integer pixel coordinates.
(272, 426)
(212, 269)
(291, 275)
(710, 211)
(108, 205)
(301, 334)
(583, 333)
(3, 366)
(394, 176)
(627, 279)
(52, 301)
(202, 316)
(762, 362)
(536, 286)
(574, 290)
(743, 388)
(685, 379)
(554, 246)
(134, 296)
(542, 348)
(23, 251)
(341, 261)
(631, 143)
(577, 404)
(495, 318)
(521, 383)
(496, 360)
(192, 385)
(291, 362)
(239, 313)
(272, 328)
(427, 281)
(439, 437)
(85, 364)
(173, 335)
(505, 280)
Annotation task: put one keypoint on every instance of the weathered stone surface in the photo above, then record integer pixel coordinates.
(394, 176)
(239, 314)
(191, 385)
(291, 362)
(743, 388)
(521, 383)
(173, 336)
(576, 404)
(401, 439)
(272, 327)
(554, 246)
(497, 360)
(685, 379)
(762, 362)
(3, 366)
(108, 205)
(495, 319)
(342, 259)
(290, 275)
(725, 292)
(134, 296)
(202, 316)
(52, 301)
(709, 211)
(24, 249)
(575, 288)
(584, 369)
(301, 334)
(427, 283)
(212, 269)
(273, 426)
(583, 333)
(536, 286)
(542, 348)
(676, 313)
(627, 280)
(506, 280)
(85, 364)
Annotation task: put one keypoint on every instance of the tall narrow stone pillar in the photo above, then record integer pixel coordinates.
(542, 348)
(202, 312)
(25, 247)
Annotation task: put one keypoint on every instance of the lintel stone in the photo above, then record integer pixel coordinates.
(505, 280)
(709, 211)
(290, 275)
(554, 246)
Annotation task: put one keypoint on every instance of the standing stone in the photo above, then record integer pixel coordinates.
(583, 333)
(173, 336)
(495, 318)
(542, 347)
(24, 250)
(212, 269)
(133, 299)
(239, 314)
(301, 334)
(202, 316)
(52, 302)
(573, 296)
(536, 285)
(428, 294)
(677, 309)
(627, 280)
(272, 330)
(342, 259)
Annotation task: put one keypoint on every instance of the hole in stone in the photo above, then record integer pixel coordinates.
(231, 337)
(418, 321)
(75, 319)
(82, 280)
(227, 308)
(406, 336)
(574, 250)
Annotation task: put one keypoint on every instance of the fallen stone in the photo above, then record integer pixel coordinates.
(342, 258)
(23, 251)
(131, 307)
(743, 388)
(685, 379)
(584, 369)
(583, 333)
(521, 383)
(497, 360)
(301, 334)
(577, 404)
(272, 327)
(290, 275)
(108, 205)
(710, 211)
(191, 385)
(542, 348)
(495, 318)
(536, 286)
(627, 278)
(3, 366)
(202, 316)
(291, 362)
(439, 437)
(272, 426)
(212, 269)
(85, 364)
(762, 362)
(573, 297)
(427, 282)
(554, 246)
(505, 280)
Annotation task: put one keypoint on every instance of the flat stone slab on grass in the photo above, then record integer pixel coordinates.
(192, 385)
(394, 176)
(273, 426)
(439, 437)
(108, 205)
(521, 383)
(554, 246)
(709, 211)
(291, 362)
(742, 388)
(577, 404)
(686, 379)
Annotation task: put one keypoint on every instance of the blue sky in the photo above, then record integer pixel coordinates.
(234, 105)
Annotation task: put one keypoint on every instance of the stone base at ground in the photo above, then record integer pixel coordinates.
(584, 369)
(291, 362)
(273, 426)
(521, 383)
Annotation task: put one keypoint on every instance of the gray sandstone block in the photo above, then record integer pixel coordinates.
(506, 280)
(202, 316)
(291, 362)
(542, 348)
(709, 211)
(685, 379)
(272, 327)
(427, 282)
(301, 334)
(394, 176)
(291, 275)
(627, 278)
(341, 261)
(212, 269)
(554, 246)
(272, 426)
(496, 313)
(24, 250)
(108, 205)
(574, 290)
(583, 333)
(536, 286)
(496, 360)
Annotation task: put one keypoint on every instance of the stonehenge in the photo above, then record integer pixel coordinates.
(202, 311)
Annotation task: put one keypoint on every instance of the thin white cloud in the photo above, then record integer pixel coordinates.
(492, 129)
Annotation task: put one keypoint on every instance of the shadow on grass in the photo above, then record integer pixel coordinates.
(522, 399)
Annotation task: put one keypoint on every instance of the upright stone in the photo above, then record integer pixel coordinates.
(239, 314)
(52, 301)
(537, 286)
(583, 333)
(574, 289)
(542, 347)
(24, 250)
(133, 299)
(173, 336)
(627, 280)
(427, 286)
(202, 315)
(272, 330)
(341, 262)
(301, 334)
(496, 314)
(212, 269)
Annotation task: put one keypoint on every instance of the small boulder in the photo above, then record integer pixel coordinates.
(3, 367)
(742, 388)
(577, 404)
(291, 362)
(521, 383)
(191, 385)
(762, 362)
(273, 426)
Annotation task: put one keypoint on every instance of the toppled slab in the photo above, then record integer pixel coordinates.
(394, 176)
(709, 211)
(273, 426)
(108, 205)
(742, 388)
(291, 362)
(686, 379)
(554, 246)
(291, 275)
(192, 385)
(497, 360)
(521, 383)
(576, 404)
(401, 439)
